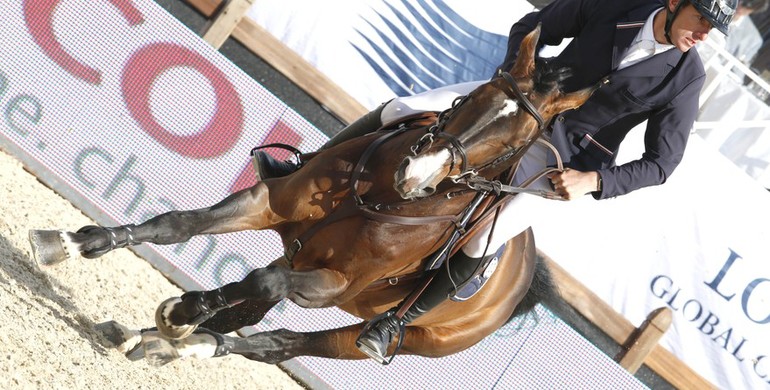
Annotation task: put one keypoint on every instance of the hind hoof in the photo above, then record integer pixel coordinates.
(164, 324)
(126, 341)
(157, 350)
(48, 247)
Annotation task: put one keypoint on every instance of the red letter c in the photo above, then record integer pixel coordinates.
(38, 15)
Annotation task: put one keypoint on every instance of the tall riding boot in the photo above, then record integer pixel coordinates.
(268, 167)
(380, 331)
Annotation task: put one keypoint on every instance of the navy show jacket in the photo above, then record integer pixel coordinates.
(663, 90)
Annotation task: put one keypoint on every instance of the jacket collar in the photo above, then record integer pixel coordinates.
(625, 32)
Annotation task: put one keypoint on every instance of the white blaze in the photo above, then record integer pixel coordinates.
(424, 167)
(510, 107)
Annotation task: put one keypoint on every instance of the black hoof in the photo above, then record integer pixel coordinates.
(48, 246)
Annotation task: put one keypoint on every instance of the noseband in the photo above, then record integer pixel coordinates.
(457, 148)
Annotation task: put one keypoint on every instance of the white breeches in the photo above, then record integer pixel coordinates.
(519, 213)
(522, 210)
(438, 99)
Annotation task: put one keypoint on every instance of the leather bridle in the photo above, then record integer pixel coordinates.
(457, 149)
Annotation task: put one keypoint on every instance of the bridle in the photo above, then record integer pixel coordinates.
(457, 149)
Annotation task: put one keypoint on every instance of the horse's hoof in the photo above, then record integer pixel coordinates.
(49, 247)
(126, 341)
(157, 350)
(163, 322)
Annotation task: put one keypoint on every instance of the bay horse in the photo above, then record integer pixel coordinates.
(335, 218)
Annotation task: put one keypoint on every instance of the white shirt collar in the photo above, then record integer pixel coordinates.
(644, 44)
(648, 34)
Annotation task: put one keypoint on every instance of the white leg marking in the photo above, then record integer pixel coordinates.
(197, 345)
(70, 247)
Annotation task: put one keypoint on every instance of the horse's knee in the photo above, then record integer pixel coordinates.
(268, 284)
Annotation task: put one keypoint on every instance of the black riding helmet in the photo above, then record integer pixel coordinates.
(718, 12)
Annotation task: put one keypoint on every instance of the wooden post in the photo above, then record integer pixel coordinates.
(224, 23)
(260, 42)
(645, 339)
(660, 360)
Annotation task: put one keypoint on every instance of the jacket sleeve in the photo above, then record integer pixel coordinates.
(560, 19)
(665, 139)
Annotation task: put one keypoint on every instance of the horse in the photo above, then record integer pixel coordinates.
(348, 228)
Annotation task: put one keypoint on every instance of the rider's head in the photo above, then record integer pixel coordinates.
(689, 21)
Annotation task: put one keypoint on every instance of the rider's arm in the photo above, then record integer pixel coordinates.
(668, 129)
(560, 19)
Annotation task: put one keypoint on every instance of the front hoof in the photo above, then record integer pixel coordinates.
(49, 247)
(164, 324)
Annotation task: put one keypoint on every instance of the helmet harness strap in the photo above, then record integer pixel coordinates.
(670, 19)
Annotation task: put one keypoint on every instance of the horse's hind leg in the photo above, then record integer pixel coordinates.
(246, 209)
(268, 347)
(280, 345)
(249, 312)
(179, 317)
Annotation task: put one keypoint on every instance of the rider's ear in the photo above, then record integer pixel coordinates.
(525, 61)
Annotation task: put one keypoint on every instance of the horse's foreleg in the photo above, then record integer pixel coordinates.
(179, 317)
(246, 209)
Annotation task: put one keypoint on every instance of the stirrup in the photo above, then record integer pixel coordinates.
(371, 353)
(297, 153)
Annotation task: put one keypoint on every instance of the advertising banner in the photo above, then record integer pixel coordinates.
(696, 244)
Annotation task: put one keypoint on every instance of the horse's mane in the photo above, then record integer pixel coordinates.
(547, 76)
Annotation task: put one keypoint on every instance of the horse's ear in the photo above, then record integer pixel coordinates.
(525, 61)
(571, 100)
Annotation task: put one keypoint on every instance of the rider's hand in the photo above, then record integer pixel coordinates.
(572, 184)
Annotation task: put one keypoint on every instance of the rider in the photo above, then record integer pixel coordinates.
(641, 51)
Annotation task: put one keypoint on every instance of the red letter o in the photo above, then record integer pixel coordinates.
(224, 128)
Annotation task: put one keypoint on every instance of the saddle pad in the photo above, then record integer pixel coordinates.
(470, 287)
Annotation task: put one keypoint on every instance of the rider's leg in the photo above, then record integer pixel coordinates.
(437, 99)
(377, 336)
(523, 209)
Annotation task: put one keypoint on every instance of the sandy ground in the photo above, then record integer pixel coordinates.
(47, 317)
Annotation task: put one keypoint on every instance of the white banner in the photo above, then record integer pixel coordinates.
(696, 244)
(376, 50)
(138, 116)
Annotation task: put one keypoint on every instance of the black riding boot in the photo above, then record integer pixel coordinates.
(380, 331)
(268, 167)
